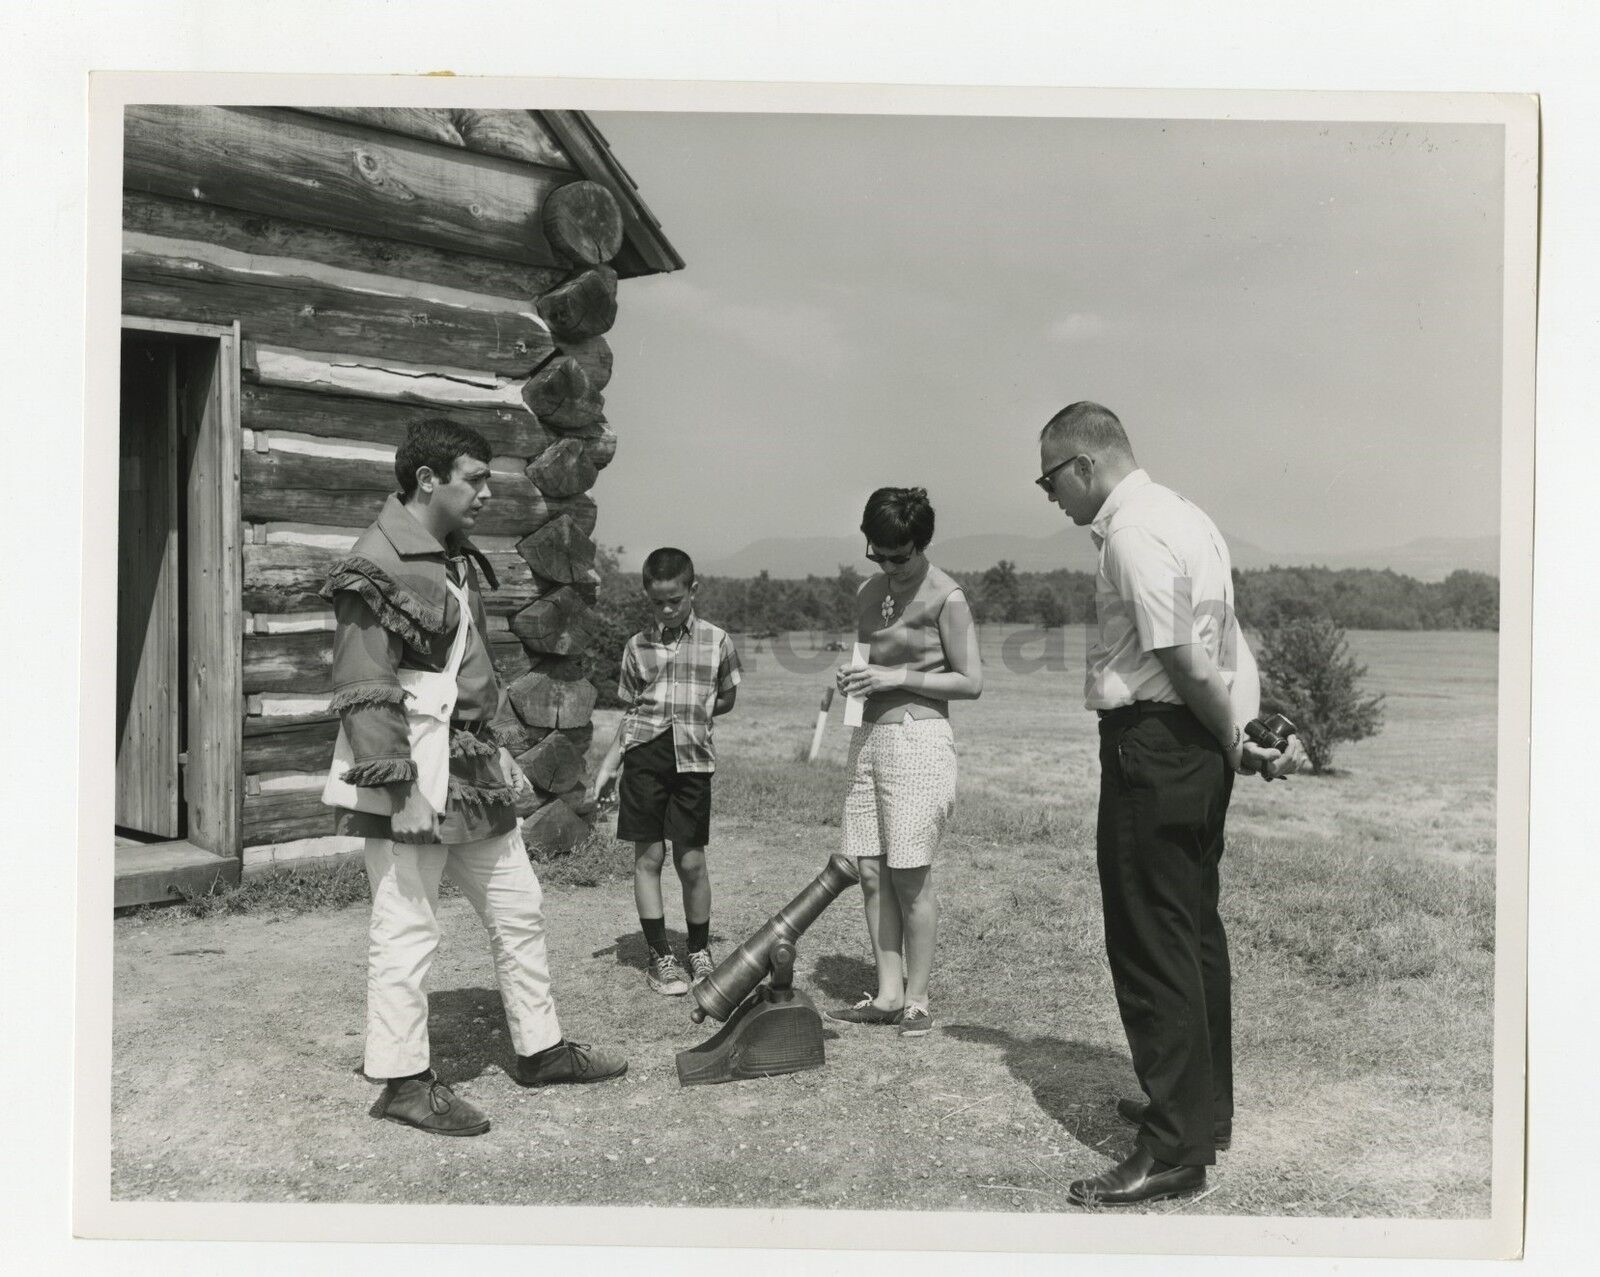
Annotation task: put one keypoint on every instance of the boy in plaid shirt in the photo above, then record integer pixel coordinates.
(677, 675)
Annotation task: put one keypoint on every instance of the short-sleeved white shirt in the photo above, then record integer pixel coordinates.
(1165, 579)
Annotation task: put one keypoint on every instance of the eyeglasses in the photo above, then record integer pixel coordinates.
(898, 560)
(1046, 480)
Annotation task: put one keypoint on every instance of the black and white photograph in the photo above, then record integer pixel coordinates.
(816, 670)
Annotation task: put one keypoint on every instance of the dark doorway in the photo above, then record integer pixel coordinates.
(150, 591)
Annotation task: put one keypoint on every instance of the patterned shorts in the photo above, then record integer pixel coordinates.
(902, 790)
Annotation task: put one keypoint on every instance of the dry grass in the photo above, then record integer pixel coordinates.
(1360, 911)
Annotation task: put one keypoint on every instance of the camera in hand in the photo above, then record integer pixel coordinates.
(1270, 732)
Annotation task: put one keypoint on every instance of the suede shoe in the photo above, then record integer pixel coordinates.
(569, 1062)
(1132, 1112)
(1140, 1178)
(429, 1105)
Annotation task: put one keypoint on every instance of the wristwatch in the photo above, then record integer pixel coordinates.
(1242, 769)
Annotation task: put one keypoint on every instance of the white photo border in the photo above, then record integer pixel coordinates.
(96, 1215)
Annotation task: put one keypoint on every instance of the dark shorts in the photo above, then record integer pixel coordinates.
(656, 802)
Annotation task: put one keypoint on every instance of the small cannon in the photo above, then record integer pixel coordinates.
(773, 1028)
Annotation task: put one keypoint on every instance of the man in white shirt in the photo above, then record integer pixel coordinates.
(1168, 664)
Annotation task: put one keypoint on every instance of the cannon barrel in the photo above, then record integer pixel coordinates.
(739, 973)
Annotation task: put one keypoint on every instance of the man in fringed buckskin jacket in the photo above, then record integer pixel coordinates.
(397, 601)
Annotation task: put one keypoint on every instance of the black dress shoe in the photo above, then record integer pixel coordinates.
(1139, 1179)
(1132, 1112)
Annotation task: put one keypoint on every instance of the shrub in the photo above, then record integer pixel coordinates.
(1307, 672)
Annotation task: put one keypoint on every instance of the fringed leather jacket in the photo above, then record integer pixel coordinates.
(392, 611)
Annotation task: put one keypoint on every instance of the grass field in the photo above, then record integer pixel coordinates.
(1426, 783)
(1360, 907)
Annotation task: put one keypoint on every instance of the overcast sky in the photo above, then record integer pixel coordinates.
(1299, 324)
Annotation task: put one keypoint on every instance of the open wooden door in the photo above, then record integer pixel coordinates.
(150, 693)
(179, 771)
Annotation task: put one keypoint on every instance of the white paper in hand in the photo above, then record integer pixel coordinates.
(853, 705)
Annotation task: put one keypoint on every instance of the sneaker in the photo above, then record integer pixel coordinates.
(664, 975)
(700, 965)
(429, 1105)
(916, 1022)
(864, 1012)
(569, 1062)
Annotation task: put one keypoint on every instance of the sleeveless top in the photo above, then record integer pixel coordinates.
(910, 639)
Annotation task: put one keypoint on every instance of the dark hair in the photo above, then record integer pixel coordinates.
(436, 442)
(1087, 427)
(667, 564)
(896, 515)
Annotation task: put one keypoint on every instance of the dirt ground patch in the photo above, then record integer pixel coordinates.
(237, 1054)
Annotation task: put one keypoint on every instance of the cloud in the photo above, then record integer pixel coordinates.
(1082, 326)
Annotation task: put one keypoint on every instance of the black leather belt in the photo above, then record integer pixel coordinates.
(1139, 709)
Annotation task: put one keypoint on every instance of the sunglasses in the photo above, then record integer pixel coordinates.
(898, 560)
(1046, 481)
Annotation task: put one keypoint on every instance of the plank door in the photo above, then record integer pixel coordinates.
(149, 593)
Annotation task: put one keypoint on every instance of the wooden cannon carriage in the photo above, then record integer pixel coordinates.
(298, 286)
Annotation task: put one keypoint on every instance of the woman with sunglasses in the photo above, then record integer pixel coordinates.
(922, 654)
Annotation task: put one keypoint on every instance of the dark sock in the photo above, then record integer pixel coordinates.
(699, 935)
(412, 1077)
(655, 934)
(539, 1055)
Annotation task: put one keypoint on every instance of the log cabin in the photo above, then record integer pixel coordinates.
(298, 286)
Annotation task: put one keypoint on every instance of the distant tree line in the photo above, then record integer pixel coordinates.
(1266, 599)
(1353, 598)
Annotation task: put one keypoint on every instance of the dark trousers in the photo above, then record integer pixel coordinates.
(1164, 790)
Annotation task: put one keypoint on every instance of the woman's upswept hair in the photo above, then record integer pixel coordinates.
(896, 515)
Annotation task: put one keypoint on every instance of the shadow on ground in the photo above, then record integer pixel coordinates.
(467, 1034)
(842, 979)
(1076, 1084)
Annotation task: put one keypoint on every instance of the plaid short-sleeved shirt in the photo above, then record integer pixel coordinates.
(674, 686)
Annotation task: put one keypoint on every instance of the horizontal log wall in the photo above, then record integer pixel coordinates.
(261, 236)
(386, 266)
(343, 175)
(284, 816)
(287, 578)
(312, 306)
(515, 135)
(303, 662)
(296, 487)
(510, 432)
(395, 379)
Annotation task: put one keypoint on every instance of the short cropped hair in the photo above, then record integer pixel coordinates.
(667, 564)
(1087, 427)
(896, 515)
(436, 442)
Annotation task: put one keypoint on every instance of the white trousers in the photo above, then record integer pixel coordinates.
(492, 873)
